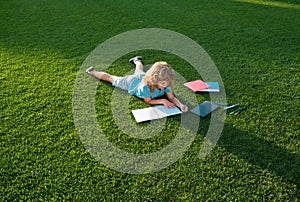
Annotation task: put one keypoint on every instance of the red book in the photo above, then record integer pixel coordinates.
(196, 85)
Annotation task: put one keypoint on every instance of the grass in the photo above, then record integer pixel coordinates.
(256, 48)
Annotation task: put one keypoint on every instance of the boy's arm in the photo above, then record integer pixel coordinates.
(165, 102)
(174, 100)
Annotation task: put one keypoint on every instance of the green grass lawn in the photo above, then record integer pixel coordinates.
(254, 44)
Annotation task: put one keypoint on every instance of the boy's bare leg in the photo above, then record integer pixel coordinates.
(137, 60)
(103, 76)
(139, 65)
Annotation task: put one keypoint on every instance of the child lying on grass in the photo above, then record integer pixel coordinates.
(146, 85)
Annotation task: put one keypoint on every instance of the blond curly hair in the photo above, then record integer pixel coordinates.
(159, 72)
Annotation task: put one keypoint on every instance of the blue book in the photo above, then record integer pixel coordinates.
(204, 108)
(213, 87)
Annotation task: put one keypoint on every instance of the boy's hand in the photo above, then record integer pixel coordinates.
(169, 104)
(184, 108)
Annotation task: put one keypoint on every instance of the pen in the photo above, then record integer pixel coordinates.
(233, 112)
(231, 106)
(236, 112)
(186, 103)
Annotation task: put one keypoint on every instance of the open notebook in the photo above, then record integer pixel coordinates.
(156, 112)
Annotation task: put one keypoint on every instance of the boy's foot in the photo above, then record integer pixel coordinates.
(89, 70)
(136, 58)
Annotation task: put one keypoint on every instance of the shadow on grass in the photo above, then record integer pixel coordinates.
(262, 153)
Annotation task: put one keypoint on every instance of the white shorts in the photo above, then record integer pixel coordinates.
(124, 82)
